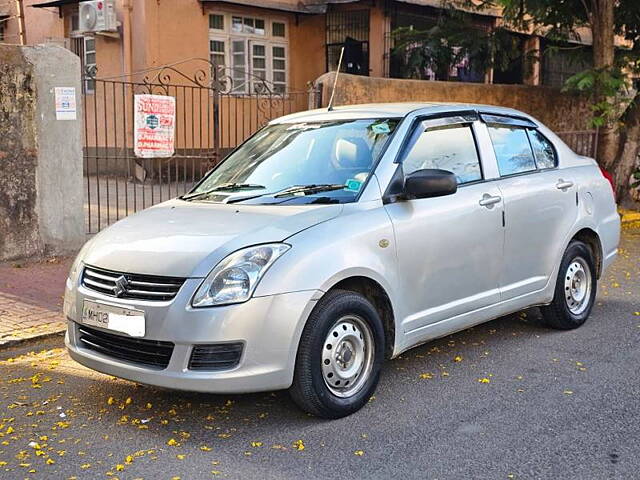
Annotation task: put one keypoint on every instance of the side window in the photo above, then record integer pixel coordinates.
(512, 148)
(448, 148)
(542, 149)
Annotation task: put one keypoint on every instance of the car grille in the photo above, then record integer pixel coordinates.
(220, 356)
(130, 285)
(135, 350)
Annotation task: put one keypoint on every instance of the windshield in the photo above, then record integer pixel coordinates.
(309, 162)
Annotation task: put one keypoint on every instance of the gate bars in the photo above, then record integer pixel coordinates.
(216, 109)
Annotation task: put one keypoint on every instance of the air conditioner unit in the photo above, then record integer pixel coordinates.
(97, 16)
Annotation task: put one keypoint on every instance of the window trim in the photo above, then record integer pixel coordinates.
(374, 165)
(449, 120)
(224, 22)
(556, 161)
(225, 52)
(228, 36)
(533, 155)
(510, 120)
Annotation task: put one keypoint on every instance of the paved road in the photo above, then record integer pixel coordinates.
(557, 405)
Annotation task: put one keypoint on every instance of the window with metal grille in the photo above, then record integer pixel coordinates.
(400, 64)
(253, 49)
(89, 62)
(348, 29)
(85, 48)
(559, 62)
(216, 22)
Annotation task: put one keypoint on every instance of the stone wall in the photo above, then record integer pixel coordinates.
(559, 111)
(41, 193)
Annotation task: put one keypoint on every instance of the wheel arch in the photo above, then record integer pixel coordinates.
(377, 295)
(592, 239)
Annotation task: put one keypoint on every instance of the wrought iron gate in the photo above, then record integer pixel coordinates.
(214, 113)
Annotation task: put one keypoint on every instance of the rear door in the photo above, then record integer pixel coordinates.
(449, 248)
(539, 204)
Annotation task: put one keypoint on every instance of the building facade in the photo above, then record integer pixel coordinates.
(288, 43)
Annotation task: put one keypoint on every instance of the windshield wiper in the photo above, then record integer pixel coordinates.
(222, 188)
(309, 189)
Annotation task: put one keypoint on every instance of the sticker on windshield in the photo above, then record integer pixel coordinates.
(380, 128)
(353, 185)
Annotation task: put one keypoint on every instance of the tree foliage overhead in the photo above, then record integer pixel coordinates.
(568, 15)
(454, 40)
(612, 82)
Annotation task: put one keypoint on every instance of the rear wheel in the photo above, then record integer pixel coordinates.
(575, 289)
(339, 357)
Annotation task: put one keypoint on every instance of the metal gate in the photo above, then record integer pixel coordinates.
(216, 109)
(583, 142)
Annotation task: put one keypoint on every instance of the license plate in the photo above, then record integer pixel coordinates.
(113, 317)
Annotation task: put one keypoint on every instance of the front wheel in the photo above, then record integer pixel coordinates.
(575, 289)
(340, 356)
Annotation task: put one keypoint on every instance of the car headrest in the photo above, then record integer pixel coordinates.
(352, 153)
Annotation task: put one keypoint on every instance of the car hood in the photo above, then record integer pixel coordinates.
(187, 239)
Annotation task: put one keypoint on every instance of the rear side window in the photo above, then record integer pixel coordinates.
(512, 148)
(450, 148)
(542, 149)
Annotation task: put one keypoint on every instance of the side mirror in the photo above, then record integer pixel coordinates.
(430, 183)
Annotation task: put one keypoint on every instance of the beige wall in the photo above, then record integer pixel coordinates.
(559, 111)
(41, 25)
(378, 25)
(161, 32)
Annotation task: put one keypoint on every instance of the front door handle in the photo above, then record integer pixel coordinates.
(564, 184)
(488, 200)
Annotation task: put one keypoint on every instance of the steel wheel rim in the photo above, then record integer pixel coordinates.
(577, 285)
(347, 356)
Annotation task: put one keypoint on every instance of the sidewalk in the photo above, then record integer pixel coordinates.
(31, 298)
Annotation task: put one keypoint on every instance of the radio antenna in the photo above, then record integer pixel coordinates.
(335, 81)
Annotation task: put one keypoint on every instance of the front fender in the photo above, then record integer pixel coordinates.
(359, 242)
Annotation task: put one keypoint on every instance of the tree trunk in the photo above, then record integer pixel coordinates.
(602, 27)
(629, 148)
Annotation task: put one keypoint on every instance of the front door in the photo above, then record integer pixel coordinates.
(449, 248)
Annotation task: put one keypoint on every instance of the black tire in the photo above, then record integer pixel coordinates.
(558, 313)
(309, 390)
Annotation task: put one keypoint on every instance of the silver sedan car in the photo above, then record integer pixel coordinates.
(333, 240)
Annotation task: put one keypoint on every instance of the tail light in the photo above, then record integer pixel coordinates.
(609, 177)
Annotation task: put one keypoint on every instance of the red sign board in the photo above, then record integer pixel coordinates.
(154, 130)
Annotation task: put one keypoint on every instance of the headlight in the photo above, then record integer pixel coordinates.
(75, 269)
(235, 278)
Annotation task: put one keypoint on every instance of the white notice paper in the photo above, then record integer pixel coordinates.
(65, 103)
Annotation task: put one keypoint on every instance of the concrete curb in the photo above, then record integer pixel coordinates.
(35, 337)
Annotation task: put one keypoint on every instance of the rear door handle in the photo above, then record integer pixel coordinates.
(564, 184)
(488, 200)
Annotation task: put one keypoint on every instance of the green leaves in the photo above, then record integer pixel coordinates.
(608, 89)
(451, 40)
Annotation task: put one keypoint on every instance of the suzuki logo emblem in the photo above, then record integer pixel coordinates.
(121, 286)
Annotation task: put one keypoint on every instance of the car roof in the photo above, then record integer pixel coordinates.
(393, 110)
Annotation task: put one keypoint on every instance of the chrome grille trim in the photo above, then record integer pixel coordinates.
(131, 285)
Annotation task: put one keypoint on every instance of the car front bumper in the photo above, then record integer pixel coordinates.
(268, 327)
